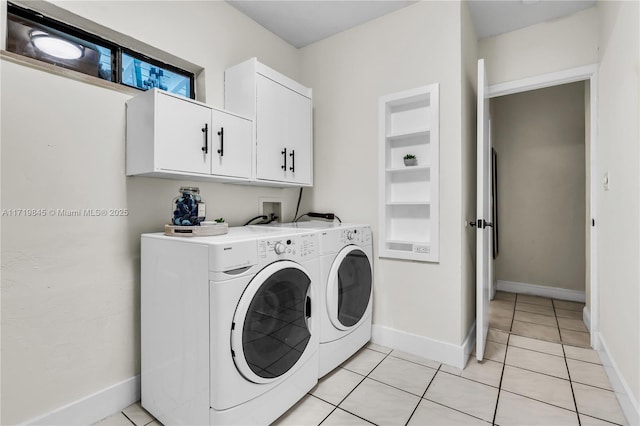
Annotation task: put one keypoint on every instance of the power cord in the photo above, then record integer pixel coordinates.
(298, 205)
(326, 216)
(265, 219)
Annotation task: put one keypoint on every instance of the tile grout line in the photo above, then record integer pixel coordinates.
(566, 363)
(504, 362)
(495, 411)
(513, 317)
(423, 394)
(455, 409)
(355, 387)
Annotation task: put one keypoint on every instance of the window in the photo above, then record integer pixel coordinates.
(36, 36)
(145, 74)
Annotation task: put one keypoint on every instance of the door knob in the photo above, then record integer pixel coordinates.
(481, 224)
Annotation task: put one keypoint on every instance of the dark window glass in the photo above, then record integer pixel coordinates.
(354, 287)
(275, 332)
(147, 75)
(36, 36)
(44, 43)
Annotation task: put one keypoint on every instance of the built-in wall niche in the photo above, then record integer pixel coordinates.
(408, 193)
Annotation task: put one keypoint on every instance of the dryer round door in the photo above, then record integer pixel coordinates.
(349, 287)
(271, 325)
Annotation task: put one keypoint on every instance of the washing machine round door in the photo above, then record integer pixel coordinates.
(349, 287)
(271, 325)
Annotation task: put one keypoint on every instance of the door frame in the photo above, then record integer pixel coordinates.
(585, 73)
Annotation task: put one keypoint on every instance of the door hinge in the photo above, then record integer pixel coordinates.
(593, 222)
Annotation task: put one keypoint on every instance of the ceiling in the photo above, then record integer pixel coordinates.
(302, 22)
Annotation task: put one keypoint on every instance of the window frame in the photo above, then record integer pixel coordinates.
(116, 49)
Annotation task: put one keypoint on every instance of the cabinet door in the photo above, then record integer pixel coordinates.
(182, 130)
(299, 135)
(283, 129)
(231, 145)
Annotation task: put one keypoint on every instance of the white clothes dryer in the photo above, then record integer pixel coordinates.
(346, 290)
(229, 332)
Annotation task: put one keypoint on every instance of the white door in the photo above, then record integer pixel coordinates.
(183, 134)
(484, 231)
(230, 145)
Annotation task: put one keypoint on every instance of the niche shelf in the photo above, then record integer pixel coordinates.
(408, 195)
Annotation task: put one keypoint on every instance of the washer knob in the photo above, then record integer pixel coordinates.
(350, 235)
(279, 248)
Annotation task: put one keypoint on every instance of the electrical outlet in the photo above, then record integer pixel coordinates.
(271, 207)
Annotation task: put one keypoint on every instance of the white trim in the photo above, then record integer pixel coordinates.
(542, 291)
(448, 353)
(469, 343)
(630, 405)
(594, 304)
(95, 407)
(545, 80)
(586, 317)
(588, 73)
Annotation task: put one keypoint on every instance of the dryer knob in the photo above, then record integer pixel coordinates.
(350, 235)
(279, 248)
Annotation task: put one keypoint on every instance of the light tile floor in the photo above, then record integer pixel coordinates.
(538, 370)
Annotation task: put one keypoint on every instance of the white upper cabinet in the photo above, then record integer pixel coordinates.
(174, 137)
(281, 109)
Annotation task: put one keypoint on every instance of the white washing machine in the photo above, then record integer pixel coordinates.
(229, 331)
(346, 290)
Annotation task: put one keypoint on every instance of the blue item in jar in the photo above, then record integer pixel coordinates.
(186, 208)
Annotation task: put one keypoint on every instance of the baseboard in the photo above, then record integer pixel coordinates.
(448, 353)
(630, 405)
(586, 317)
(95, 407)
(542, 291)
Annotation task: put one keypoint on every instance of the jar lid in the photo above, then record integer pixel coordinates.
(190, 189)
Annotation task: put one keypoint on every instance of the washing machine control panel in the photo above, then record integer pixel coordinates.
(293, 247)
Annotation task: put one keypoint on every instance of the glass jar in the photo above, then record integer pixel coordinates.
(189, 208)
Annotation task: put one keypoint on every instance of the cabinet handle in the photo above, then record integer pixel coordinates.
(221, 134)
(284, 155)
(293, 160)
(205, 130)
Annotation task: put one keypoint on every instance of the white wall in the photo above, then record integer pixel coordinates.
(414, 46)
(540, 144)
(551, 46)
(70, 285)
(619, 208)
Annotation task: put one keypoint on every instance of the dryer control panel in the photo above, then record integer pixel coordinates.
(332, 240)
(298, 247)
(358, 236)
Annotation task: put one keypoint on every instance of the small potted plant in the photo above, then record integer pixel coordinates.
(410, 160)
